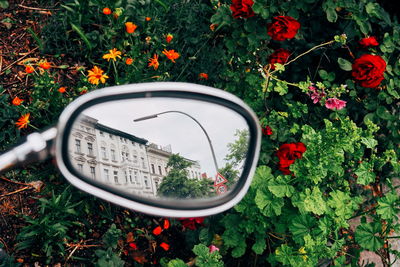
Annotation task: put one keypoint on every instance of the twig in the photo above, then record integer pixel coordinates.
(36, 8)
(5, 179)
(18, 60)
(16, 191)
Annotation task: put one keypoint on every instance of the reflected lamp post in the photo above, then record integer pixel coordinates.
(198, 123)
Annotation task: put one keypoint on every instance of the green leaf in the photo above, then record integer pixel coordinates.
(344, 64)
(280, 188)
(383, 113)
(331, 14)
(301, 226)
(313, 201)
(260, 244)
(268, 204)
(369, 142)
(82, 35)
(4, 4)
(365, 173)
(388, 207)
(367, 235)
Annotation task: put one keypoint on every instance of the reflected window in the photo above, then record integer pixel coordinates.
(90, 149)
(116, 177)
(152, 168)
(107, 175)
(78, 145)
(130, 176)
(80, 167)
(143, 163)
(101, 133)
(113, 154)
(126, 177)
(136, 177)
(92, 172)
(111, 137)
(159, 170)
(146, 182)
(103, 152)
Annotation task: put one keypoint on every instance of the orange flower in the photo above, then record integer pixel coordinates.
(169, 38)
(17, 101)
(95, 75)
(171, 54)
(45, 65)
(29, 69)
(130, 27)
(129, 61)
(147, 18)
(154, 62)
(114, 53)
(203, 76)
(165, 246)
(23, 121)
(157, 230)
(107, 11)
(62, 89)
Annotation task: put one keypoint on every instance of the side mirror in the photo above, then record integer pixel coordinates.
(166, 149)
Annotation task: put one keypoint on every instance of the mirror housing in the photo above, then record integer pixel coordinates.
(178, 91)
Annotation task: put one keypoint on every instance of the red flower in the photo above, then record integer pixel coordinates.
(62, 89)
(368, 70)
(279, 56)
(267, 130)
(166, 224)
(242, 8)
(287, 155)
(282, 28)
(165, 246)
(29, 69)
(17, 101)
(157, 230)
(133, 245)
(370, 41)
(106, 11)
(190, 223)
(169, 38)
(203, 76)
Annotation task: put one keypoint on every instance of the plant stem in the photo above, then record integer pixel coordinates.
(115, 72)
(305, 53)
(279, 80)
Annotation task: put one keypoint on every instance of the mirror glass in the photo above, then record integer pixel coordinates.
(160, 148)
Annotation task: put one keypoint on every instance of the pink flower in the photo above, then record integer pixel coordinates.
(334, 103)
(213, 248)
(316, 95)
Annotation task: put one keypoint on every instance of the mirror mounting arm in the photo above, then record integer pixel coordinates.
(37, 147)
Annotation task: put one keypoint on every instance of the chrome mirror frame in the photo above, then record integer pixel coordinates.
(158, 89)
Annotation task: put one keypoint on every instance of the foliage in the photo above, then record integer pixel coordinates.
(178, 184)
(351, 165)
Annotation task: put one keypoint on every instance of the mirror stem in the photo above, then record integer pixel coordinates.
(37, 147)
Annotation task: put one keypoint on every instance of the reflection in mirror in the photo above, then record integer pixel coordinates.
(160, 148)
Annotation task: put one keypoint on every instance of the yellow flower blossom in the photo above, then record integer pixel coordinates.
(95, 75)
(114, 54)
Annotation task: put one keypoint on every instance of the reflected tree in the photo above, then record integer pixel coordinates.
(238, 149)
(177, 183)
(230, 173)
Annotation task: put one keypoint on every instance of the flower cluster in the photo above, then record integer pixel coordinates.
(242, 8)
(287, 155)
(191, 223)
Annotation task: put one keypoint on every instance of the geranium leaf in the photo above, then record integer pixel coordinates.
(367, 235)
(387, 206)
(365, 173)
(344, 64)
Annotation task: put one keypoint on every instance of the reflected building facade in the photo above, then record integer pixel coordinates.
(120, 159)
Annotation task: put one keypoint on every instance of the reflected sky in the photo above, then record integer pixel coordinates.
(177, 130)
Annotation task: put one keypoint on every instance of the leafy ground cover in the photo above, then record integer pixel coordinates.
(323, 77)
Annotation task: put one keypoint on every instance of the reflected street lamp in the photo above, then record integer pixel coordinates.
(198, 123)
